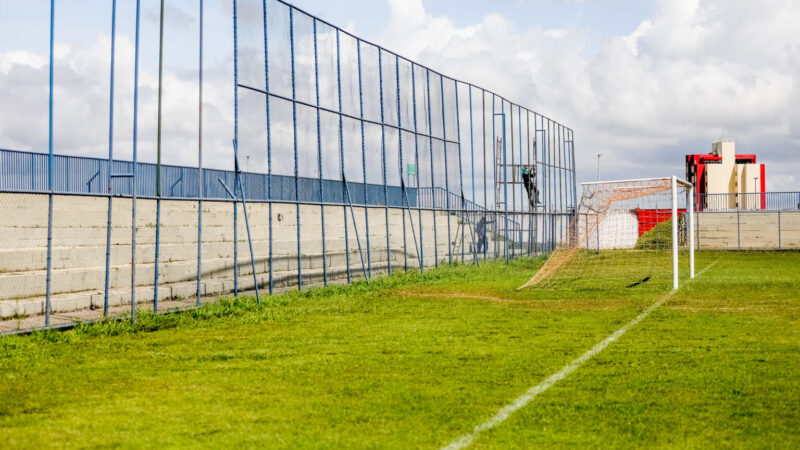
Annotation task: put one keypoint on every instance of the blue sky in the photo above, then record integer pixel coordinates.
(643, 82)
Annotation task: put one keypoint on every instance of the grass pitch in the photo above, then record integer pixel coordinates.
(419, 360)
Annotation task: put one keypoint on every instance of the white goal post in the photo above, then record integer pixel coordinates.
(689, 231)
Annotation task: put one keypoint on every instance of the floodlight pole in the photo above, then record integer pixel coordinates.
(598, 166)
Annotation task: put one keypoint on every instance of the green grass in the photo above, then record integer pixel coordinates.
(418, 360)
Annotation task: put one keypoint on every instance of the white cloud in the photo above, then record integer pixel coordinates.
(644, 98)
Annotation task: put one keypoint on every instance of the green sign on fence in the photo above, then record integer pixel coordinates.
(411, 169)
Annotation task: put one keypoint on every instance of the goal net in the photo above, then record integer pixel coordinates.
(625, 234)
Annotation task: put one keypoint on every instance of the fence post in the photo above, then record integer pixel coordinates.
(341, 155)
(363, 155)
(49, 177)
(236, 138)
(158, 161)
(402, 161)
(319, 158)
(433, 179)
(200, 182)
(738, 228)
(416, 162)
(446, 174)
(110, 158)
(383, 156)
(135, 162)
(780, 244)
(296, 172)
(269, 140)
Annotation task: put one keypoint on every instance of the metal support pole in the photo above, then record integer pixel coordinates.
(485, 177)
(674, 233)
(296, 171)
(416, 162)
(433, 182)
(402, 182)
(690, 231)
(200, 181)
(446, 176)
(135, 162)
(355, 228)
(319, 158)
(341, 155)
(236, 138)
(237, 174)
(110, 156)
(158, 156)
(738, 228)
(269, 145)
(364, 153)
(383, 155)
(505, 183)
(50, 177)
(460, 173)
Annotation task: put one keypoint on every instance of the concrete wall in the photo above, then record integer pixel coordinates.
(79, 248)
(749, 230)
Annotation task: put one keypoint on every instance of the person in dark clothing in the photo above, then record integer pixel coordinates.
(480, 229)
(529, 180)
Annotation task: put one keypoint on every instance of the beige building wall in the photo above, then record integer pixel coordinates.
(728, 177)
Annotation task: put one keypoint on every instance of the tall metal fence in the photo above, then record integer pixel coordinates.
(372, 163)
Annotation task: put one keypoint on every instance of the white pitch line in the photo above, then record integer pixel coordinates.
(521, 401)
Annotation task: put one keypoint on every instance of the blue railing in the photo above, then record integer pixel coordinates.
(27, 172)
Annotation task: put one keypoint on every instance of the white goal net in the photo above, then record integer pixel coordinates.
(634, 234)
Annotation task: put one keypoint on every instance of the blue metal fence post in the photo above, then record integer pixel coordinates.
(110, 155)
(472, 154)
(269, 146)
(200, 183)
(460, 174)
(135, 162)
(416, 163)
(50, 177)
(363, 155)
(401, 161)
(158, 162)
(319, 158)
(485, 169)
(505, 182)
(433, 182)
(383, 154)
(341, 155)
(236, 138)
(446, 176)
(521, 190)
(296, 173)
(238, 179)
(494, 171)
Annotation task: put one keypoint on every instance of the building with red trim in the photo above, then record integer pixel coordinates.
(725, 180)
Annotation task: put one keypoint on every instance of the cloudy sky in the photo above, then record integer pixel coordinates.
(642, 82)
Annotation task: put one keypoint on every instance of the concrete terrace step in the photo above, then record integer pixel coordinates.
(93, 299)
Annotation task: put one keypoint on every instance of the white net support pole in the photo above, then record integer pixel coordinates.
(674, 232)
(691, 232)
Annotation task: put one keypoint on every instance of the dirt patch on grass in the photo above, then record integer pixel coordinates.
(527, 304)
